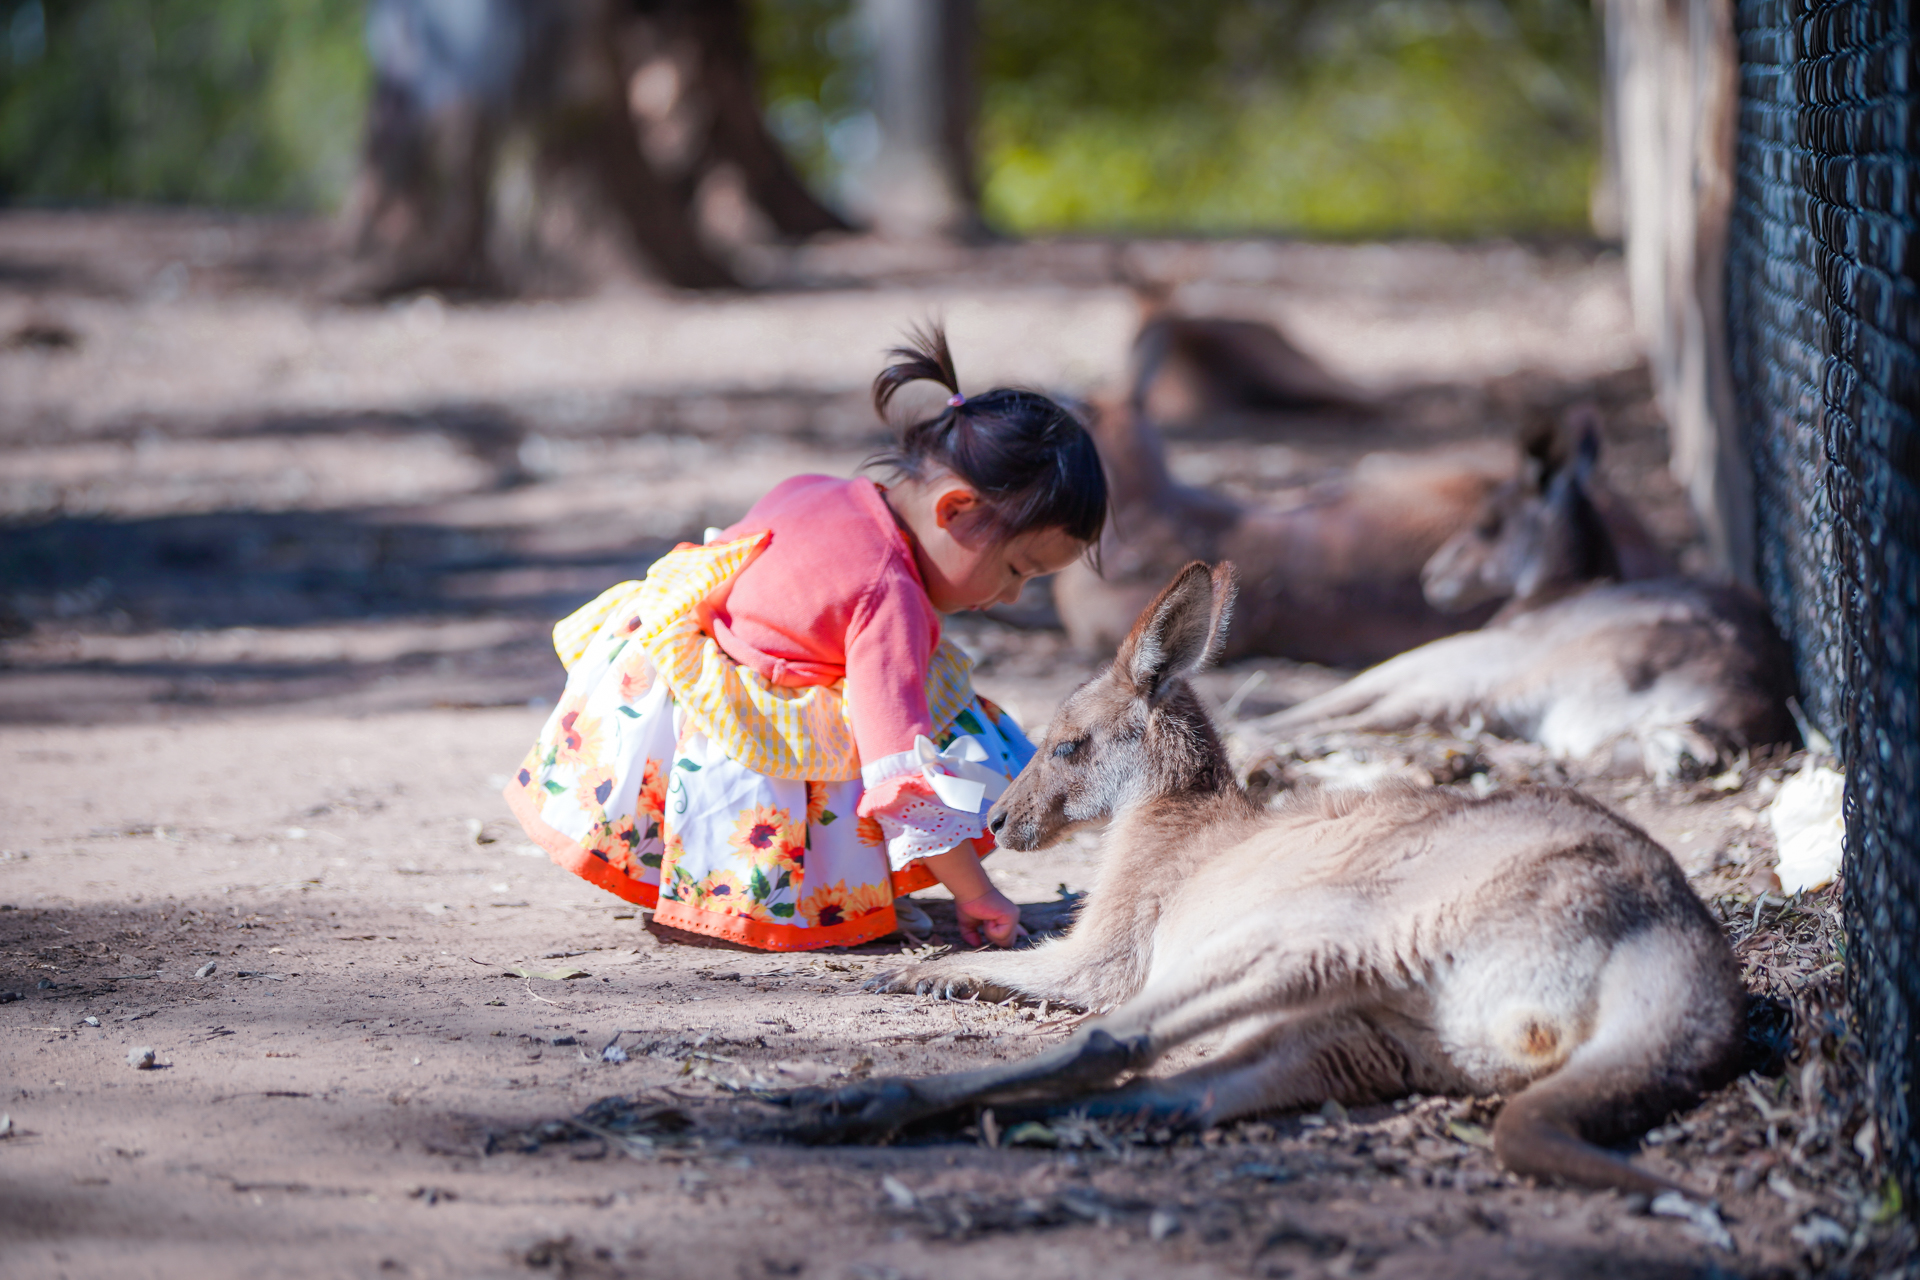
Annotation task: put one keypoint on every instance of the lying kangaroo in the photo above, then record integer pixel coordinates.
(1554, 523)
(1662, 674)
(1192, 367)
(1351, 946)
(1333, 579)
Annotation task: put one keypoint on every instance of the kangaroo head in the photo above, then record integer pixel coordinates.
(1135, 732)
(1538, 531)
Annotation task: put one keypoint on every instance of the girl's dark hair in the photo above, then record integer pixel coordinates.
(1033, 464)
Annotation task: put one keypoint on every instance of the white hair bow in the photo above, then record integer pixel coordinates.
(956, 774)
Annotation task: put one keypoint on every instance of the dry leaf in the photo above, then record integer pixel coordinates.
(1470, 1133)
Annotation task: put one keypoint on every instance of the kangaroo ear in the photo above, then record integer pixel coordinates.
(1586, 448)
(1540, 453)
(1570, 449)
(1574, 477)
(1181, 631)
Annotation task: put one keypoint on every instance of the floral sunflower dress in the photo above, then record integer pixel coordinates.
(736, 804)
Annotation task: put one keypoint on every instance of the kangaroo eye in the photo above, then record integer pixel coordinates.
(1066, 749)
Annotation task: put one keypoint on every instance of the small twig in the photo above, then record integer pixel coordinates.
(918, 1036)
(1817, 742)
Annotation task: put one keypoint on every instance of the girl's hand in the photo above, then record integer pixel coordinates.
(993, 914)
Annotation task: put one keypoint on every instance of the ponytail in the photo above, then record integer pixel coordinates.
(1031, 461)
(927, 359)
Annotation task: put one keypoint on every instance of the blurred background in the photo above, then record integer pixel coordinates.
(344, 344)
(1323, 118)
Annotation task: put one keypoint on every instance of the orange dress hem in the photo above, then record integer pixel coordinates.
(569, 855)
(777, 937)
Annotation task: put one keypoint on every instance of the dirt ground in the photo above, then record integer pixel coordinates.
(276, 577)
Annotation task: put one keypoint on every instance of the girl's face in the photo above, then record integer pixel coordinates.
(965, 567)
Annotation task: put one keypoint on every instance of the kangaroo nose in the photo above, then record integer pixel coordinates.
(996, 822)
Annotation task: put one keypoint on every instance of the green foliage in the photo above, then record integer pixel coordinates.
(1320, 117)
(1324, 117)
(816, 80)
(204, 101)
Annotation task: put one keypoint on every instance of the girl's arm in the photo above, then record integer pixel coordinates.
(887, 646)
(983, 909)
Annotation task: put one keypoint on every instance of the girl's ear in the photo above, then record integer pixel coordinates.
(955, 502)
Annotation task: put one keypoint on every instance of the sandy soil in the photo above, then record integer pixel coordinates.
(277, 577)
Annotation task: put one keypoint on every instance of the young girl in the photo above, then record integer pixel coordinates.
(768, 740)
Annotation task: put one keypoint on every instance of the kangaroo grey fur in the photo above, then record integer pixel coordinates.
(1332, 577)
(1663, 674)
(1349, 946)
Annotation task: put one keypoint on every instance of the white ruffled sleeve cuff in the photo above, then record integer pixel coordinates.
(927, 801)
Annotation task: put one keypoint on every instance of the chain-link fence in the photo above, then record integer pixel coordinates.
(1825, 322)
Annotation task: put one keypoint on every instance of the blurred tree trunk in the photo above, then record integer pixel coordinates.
(594, 134)
(445, 79)
(454, 78)
(1673, 97)
(725, 76)
(922, 183)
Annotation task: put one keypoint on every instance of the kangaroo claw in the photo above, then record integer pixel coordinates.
(937, 981)
(965, 987)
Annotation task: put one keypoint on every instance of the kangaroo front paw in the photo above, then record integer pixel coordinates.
(940, 981)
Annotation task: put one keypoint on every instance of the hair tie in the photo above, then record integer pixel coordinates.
(955, 400)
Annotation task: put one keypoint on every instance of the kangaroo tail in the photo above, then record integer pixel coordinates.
(1544, 1133)
(1669, 1028)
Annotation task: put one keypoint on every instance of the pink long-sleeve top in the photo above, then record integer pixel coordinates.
(836, 593)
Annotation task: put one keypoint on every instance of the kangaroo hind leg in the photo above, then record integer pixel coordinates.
(1186, 1002)
(1128, 1039)
(1421, 686)
(1283, 1063)
(875, 1110)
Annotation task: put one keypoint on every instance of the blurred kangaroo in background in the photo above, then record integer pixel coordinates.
(1665, 674)
(1190, 367)
(1555, 524)
(1350, 946)
(1334, 578)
